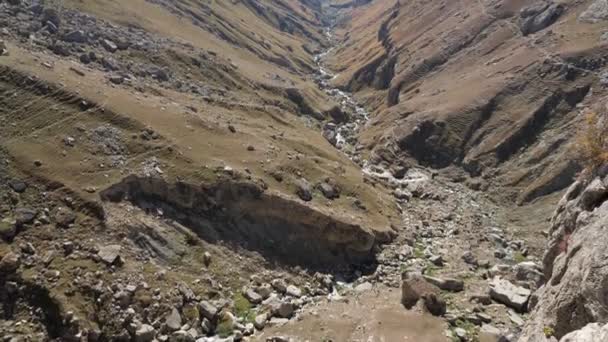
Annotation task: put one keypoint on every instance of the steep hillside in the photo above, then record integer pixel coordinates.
(493, 87)
(150, 153)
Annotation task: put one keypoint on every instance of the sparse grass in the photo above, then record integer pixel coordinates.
(224, 328)
(518, 257)
(419, 250)
(593, 141)
(242, 308)
(548, 331)
(471, 329)
(431, 270)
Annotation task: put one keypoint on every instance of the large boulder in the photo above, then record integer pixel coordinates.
(593, 332)
(596, 12)
(539, 16)
(415, 288)
(574, 264)
(303, 189)
(503, 291)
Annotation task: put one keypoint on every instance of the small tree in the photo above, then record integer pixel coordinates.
(593, 141)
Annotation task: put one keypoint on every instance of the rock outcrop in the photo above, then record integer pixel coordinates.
(574, 264)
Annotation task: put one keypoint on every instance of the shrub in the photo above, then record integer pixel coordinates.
(593, 141)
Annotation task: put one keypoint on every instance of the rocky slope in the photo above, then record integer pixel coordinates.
(573, 297)
(293, 170)
(493, 87)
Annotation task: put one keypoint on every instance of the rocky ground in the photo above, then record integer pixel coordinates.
(217, 183)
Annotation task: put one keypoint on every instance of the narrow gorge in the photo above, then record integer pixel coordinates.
(303, 170)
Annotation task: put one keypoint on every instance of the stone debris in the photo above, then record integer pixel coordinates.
(503, 291)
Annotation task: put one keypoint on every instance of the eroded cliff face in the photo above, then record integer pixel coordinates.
(575, 264)
(283, 230)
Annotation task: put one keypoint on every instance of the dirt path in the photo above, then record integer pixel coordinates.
(371, 316)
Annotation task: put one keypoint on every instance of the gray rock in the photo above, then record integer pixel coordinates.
(145, 333)
(117, 79)
(173, 321)
(3, 48)
(8, 229)
(505, 292)
(328, 190)
(283, 309)
(447, 284)
(596, 12)
(537, 17)
(110, 254)
(593, 332)
(303, 189)
(364, 287)
(279, 285)
(529, 271)
(77, 36)
(50, 15)
(436, 260)
(10, 263)
(264, 290)
(469, 258)
(109, 45)
(260, 321)
(64, 217)
(491, 333)
(278, 339)
(294, 291)
(207, 310)
(252, 296)
(573, 264)
(25, 216)
(18, 186)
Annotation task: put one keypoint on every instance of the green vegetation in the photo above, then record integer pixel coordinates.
(518, 257)
(593, 142)
(471, 329)
(242, 308)
(419, 250)
(548, 331)
(225, 328)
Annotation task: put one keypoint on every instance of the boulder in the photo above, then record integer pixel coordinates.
(279, 285)
(77, 36)
(592, 332)
(303, 189)
(64, 217)
(50, 15)
(25, 216)
(539, 16)
(207, 310)
(252, 296)
(447, 284)
(294, 291)
(109, 45)
(503, 291)
(596, 12)
(260, 321)
(145, 333)
(415, 288)
(18, 186)
(328, 190)
(283, 309)
(173, 321)
(8, 229)
(491, 333)
(10, 263)
(110, 254)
